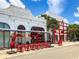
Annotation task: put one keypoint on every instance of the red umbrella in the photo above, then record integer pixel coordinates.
(12, 43)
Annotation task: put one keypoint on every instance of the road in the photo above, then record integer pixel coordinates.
(70, 52)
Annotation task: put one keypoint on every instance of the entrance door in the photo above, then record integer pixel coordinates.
(40, 38)
(4, 36)
(21, 39)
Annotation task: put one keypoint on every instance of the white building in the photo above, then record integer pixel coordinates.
(15, 18)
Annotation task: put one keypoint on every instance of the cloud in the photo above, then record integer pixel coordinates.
(58, 18)
(65, 20)
(4, 4)
(17, 3)
(76, 14)
(36, 0)
(77, 22)
(55, 6)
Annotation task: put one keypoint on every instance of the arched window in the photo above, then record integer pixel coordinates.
(4, 25)
(21, 27)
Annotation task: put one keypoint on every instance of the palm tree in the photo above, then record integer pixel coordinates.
(51, 22)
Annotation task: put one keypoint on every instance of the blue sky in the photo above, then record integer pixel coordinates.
(36, 8)
(68, 9)
(41, 6)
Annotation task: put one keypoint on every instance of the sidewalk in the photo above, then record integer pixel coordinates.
(4, 55)
(66, 44)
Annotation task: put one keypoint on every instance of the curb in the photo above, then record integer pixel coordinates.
(65, 45)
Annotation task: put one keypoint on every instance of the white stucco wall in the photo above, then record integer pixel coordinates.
(14, 22)
(15, 16)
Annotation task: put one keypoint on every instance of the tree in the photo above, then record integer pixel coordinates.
(51, 22)
(73, 31)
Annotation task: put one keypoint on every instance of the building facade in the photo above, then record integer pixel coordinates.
(16, 18)
(61, 32)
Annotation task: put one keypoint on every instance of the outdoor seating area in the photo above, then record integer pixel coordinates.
(22, 40)
(28, 47)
